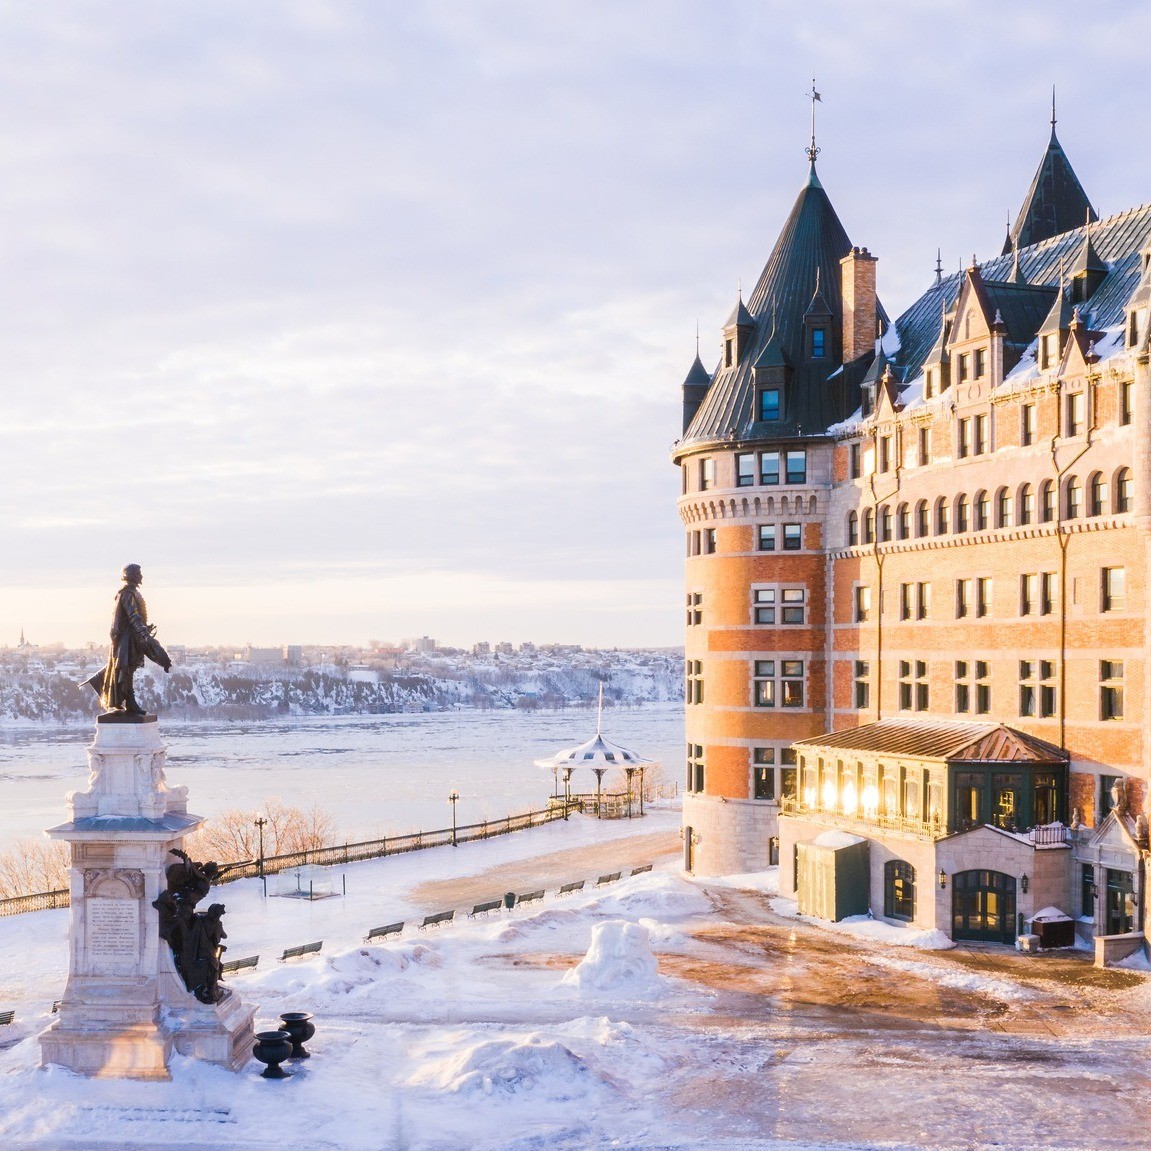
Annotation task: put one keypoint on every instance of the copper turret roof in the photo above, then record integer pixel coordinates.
(1055, 202)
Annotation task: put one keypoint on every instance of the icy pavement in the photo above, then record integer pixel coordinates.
(655, 1013)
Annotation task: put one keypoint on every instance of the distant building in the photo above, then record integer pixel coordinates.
(917, 555)
(424, 645)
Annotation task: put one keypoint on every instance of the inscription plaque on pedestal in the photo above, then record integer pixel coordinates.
(113, 934)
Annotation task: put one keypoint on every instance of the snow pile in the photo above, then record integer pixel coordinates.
(837, 839)
(619, 959)
(507, 1067)
(958, 979)
(864, 927)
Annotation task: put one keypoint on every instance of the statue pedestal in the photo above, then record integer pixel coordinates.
(125, 1008)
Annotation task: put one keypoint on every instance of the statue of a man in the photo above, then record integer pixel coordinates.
(133, 639)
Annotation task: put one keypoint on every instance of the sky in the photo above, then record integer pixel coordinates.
(364, 320)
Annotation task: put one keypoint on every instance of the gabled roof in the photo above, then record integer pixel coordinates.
(925, 739)
(1055, 202)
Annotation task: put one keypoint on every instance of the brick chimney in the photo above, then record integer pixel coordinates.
(859, 315)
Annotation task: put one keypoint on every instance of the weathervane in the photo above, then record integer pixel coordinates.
(813, 151)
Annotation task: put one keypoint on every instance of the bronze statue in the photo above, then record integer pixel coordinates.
(133, 640)
(195, 937)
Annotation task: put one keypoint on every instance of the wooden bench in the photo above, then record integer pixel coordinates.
(641, 870)
(438, 918)
(529, 897)
(607, 879)
(385, 931)
(484, 908)
(239, 964)
(6, 1017)
(56, 1006)
(303, 949)
(568, 888)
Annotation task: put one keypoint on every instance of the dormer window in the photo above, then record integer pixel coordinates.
(1045, 352)
(929, 385)
(1133, 335)
(769, 404)
(818, 343)
(964, 367)
(728, 352)
(980, 362)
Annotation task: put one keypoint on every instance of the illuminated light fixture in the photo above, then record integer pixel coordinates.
(942, 879)
(1024, 882)
(850, 802)
(829, 794)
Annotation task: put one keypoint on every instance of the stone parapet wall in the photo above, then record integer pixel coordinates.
(732, 836)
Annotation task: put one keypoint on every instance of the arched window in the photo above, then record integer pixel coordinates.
(903, 522)
(1047, 501)
(884, 524)
(942, 516)
(1123, 490)
(1073, 498)
(852, 530)
(869, 526)
(922, 519)
(898, 890)
(1026, 504)
(1097, 497)
(962, 521)
(982, 508)
(1004, 509)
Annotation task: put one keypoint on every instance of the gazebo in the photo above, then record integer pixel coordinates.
(599, 754)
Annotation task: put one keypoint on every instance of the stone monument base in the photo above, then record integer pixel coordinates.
(221, 1033)
(134, 1051)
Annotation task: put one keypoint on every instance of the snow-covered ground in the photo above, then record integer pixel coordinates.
(657, 1012)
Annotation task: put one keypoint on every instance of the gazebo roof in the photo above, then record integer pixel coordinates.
(597, 752)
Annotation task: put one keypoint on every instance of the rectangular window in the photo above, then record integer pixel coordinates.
(694, 608)
(1037, 688)
(769, 468)
(906, 598)
(1076, 407)
(862, 603)
(1114, 589)
(793, 604)
(745, 469)
(1028, 594)
(964, 367)
(921, 685)
(1125, 408)
(979, 435)
(1046, 688)
(963, 441)
(962, 687)
(791, 683)
(792, 537)
(1110, 689)
(853, 461)
(767, 537)
(694, 767)
(924, 446)
(694, 693)
(1027, 429)
(763, 773)
(983, 596)
(797, 467)
(708, 541)
(922, 600)
(982, 687)
(962, 598)
(763, 683)
(763, 603)
(913, 686)
(1046, 593)
(862, 683)
(980, 362)
(1087, 890)
(706, 474)
(1028, 695)
(784, 689)
(769, 404)
(818, 343)
(885, 453)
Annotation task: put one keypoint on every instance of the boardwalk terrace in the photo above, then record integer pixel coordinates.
(939, 523)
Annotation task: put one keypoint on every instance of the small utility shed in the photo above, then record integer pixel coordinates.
(832, 874)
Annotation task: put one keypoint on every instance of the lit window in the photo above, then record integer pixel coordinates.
(763, 773)
(862, 603)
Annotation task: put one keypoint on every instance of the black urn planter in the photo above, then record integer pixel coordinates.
(300, 1028)
(272, 1048)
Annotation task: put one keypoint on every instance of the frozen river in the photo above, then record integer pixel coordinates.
(377, 775)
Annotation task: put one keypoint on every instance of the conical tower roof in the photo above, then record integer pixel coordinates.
(697, 373)
(1055, 202)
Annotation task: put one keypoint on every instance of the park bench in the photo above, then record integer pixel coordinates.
(385, 931)
(438, 918)
(529, 897)
(6, 1017)
(56, 1006)
(575, 885)
(239, 964)
(484, 908)
(303, 949)
(641, 870)
(607, 879)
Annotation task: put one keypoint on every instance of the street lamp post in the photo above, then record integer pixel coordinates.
(630, 773)
(567, 790)
(641, 789)
(453, 799)
(261, 823)
(599, 774)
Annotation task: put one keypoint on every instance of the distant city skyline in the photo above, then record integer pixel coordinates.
(369, 319)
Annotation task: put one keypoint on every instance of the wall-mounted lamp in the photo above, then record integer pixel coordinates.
(1024, 882)
(942, 879)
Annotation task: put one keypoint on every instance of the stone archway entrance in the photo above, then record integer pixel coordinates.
(983, 906)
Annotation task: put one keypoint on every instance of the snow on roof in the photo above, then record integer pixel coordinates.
(597, 752)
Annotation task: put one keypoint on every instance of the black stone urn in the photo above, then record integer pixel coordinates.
(272, 1048)
(300, 1028)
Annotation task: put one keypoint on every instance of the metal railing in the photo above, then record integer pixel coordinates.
(919, 828)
